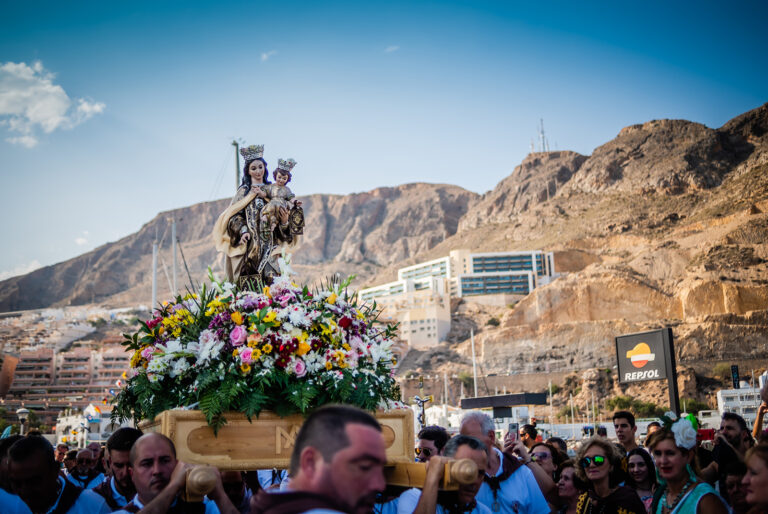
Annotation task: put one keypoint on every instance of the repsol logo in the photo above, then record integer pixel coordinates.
(642, 375)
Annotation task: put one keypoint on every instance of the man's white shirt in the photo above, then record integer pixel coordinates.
(210, 506)
(409, 499)
(518, 494)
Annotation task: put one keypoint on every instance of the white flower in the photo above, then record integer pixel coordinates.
(685, 434)
(173, 346)
(671, 415)
(157, 366)
(179, 367)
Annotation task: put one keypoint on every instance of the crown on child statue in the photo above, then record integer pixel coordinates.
(286, 165)
(252, 152)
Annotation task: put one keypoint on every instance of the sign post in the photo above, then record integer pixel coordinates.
(649, 356)
(735, 376)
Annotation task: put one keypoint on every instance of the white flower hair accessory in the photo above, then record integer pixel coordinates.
(685, 433)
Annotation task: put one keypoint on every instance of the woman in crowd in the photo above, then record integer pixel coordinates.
(546, 456)
(599, 462)
(680, 490)
(642, 475)
(756, 479)
(569, 487)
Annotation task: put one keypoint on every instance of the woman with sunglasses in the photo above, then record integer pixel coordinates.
(546, 456)
(598, 459)
(680, 489)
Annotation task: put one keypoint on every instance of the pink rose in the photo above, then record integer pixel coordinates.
(246, 355)
(238, 335)
(299, 368)
(147, 352)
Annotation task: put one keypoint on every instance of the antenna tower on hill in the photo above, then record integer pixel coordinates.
(543, 142)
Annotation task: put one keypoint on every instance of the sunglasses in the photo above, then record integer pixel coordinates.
(426, 451)
(597, 460)
(541, 456)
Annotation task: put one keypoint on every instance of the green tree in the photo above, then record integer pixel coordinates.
(722, 370)
(467, 379)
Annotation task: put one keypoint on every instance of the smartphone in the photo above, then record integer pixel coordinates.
(512, 431)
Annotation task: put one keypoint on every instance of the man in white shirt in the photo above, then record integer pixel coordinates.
(84, 475)
(509, 486)
(34, 475)
(429, 501)
(117, 490)
(159, 478)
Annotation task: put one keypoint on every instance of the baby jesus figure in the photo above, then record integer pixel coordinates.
(281, 198)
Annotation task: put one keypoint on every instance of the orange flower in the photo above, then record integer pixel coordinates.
(237, 318)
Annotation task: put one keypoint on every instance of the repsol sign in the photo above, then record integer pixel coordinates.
(634, 376)
(643, 356)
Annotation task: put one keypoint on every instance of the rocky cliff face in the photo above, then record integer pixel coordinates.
(356, 233)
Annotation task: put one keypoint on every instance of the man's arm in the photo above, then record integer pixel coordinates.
(219, 496)
(545, 482)
(758, 428)
(428, 500)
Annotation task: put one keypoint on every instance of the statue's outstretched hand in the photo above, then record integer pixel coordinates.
(244, 238)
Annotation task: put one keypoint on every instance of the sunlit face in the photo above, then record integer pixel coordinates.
(595, 472)
(282, 178)
(426, 450)
(637, 469)
(670, 460)
(543, 457)
(731, 431)
(256, 171)
(624, 431)
(152, 467)
(566, 489)
(756, 481)
(474, 429)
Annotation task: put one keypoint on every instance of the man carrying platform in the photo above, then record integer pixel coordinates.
(159, 479)
(117, 490)
(337, 465)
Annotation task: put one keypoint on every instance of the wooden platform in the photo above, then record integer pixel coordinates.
(265, 443)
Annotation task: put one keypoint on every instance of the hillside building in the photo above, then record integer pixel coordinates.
(420, 297)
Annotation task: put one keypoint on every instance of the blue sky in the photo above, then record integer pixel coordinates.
(112, 112)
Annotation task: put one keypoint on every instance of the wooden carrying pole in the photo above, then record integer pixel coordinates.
(414, 474)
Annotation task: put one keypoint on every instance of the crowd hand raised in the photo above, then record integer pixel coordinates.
(764, 393)
(515, 448)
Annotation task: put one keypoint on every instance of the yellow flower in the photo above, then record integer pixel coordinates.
(360, 315)
(160, 330)
(331, 299)
(237, 318)
(252, 328)
(235, 353)
(176, 332)
(266, 292)
(328, 365)
(267, 348)
(136, 359)
(245, 368)
(253, 340)
(303, 348)
(256, 354)
(271, 315)
(346, 347)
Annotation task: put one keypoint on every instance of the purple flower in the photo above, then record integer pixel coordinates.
(238, 335)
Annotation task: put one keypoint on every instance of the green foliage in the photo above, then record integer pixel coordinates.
(640, 408)
(467, 378)
(494, 322)
(694, 406)
(722, 370)
(555, 389)
(619, 403)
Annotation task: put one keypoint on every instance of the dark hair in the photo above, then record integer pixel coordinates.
(732, 416)
(455, 442)
(735, 468)
(325, 430)
(648, 464)
(560, 443)
(71, 455)
(653, 424)
(27, 447)
(612, 454)
(123, 439)
(282, 172)
(133, 455)
(530, 430)
(247, 176)
(6, 443)
(436, 434)
(624, 414)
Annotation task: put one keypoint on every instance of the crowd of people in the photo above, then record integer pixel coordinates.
(338, 463)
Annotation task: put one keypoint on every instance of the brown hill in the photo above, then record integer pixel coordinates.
(365, 230)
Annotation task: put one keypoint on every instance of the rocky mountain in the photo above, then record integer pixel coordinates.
(357, 232)
(665, 225)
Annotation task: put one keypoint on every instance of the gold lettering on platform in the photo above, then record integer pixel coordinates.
(282, 435)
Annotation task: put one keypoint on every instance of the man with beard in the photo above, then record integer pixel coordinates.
(337, 465)
(34, 475)
(428, 500)
(117, 490)
(159, 479)
(731, 443)
(84, 475)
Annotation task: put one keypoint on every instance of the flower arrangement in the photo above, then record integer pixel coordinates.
(284, 349)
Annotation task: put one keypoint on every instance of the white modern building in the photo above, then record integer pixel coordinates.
(420, 297)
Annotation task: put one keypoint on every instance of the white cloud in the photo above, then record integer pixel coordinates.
(20, 270)
(80, 241)
(30, 102)
(391, 48)
(266, 55)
